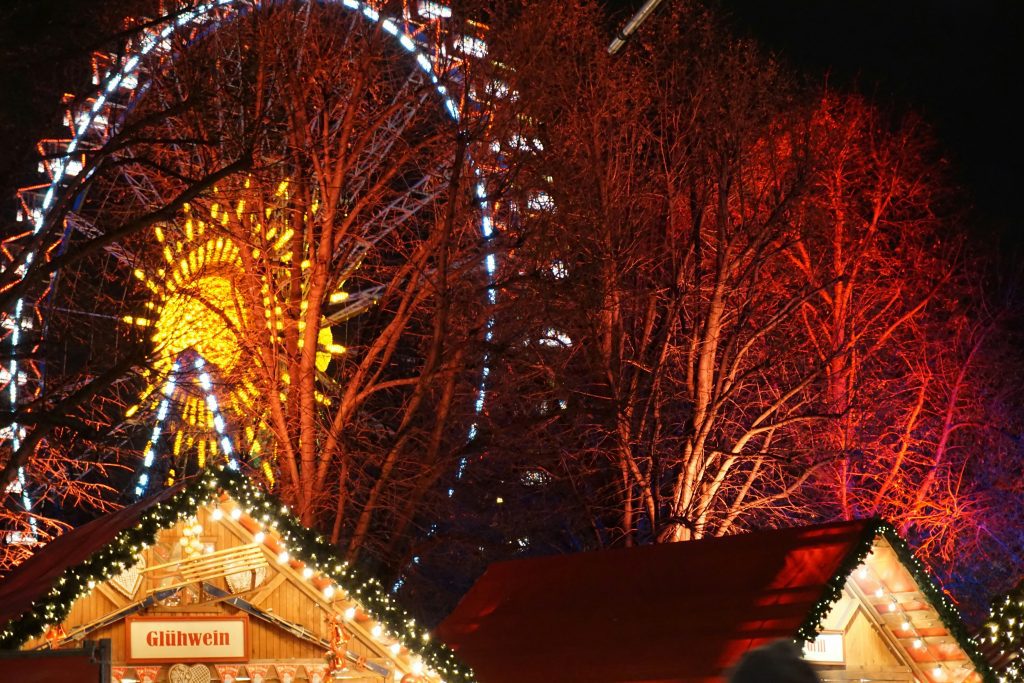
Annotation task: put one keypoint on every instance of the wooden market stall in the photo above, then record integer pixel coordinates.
(212, 580)
(685, 612)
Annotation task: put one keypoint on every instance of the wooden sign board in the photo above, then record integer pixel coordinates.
(154, 640)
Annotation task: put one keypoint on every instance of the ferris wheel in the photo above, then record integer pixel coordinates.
(233, 240)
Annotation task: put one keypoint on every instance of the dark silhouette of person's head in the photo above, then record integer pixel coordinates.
(778, 662)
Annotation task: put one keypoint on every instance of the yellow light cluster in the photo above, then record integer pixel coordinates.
(198, 304)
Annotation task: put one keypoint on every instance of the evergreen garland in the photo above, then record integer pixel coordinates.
(1002, 634)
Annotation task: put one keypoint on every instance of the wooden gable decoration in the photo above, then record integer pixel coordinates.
(215, 580)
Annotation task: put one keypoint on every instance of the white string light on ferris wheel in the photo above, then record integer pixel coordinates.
(61, 169)
(491, 267)
(150, 453)
(223, 439)
(16, 429)
(218, 420)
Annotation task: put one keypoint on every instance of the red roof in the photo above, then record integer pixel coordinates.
(52, 667)
(33, 578)
(664, 613)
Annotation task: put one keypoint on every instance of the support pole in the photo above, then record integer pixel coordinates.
(632, 25)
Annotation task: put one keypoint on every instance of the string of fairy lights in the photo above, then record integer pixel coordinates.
(1003, 633)
(292, 545)
(895, 608)
(210, 400)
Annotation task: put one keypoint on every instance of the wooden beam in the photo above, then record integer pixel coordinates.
(885, 634)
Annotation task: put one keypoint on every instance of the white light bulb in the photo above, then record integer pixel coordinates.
(376, 630)
(282, 556)
(879, 592)
(236, 513)
(307, 573)
(259, 537)
(350, 614)
(329, 591)
(906, 625)
(918, 643)
(217, 515)
(395, 649)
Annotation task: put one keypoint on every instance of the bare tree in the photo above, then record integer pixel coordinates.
(741, 297)
(275, 259)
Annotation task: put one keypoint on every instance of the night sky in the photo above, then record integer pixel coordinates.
(956, 62)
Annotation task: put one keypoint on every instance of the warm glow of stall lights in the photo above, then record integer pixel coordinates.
(376, 631)
(217, 514)
(879, 592)
(918, 643)
(906, 625)
(862, 572)
(349, 614)
(307, 573)
(282, 557)
(938, 672)
(892, 606)
(395, 649)
(417, 666)
(329, 591)
(236, 514)
(259, 537)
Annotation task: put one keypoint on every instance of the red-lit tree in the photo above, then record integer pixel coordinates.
(273, 256)
(746, 303)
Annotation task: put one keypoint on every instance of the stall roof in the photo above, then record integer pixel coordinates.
(32, 579)
(648, 613)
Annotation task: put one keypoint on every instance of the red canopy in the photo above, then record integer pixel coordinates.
(664, 613)
(77, 669)
(33, 578)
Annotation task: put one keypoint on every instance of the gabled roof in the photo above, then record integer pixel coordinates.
(30, 581)
(670, 612)
(42, 590)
